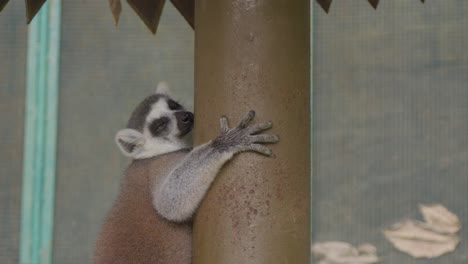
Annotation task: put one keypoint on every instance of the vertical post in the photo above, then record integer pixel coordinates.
(40, 136)
(255, 55)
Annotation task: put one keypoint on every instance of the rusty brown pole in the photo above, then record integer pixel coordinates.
(255, 55)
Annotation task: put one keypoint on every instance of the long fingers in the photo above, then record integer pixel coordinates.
(223, 123)
(265, 138)
(261, 149)
(246, 120)
(260, 127)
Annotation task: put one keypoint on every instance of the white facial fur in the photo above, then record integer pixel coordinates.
(160, 145)
(147, 144)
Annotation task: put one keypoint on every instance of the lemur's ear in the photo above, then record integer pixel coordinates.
(163, 88)
(130, 142)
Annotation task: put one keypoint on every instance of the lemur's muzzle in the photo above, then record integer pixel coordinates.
(187, 118)
(184, 122)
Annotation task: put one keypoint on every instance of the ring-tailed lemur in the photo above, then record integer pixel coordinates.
(150, 221)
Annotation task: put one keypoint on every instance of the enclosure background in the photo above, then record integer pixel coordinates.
(12, 81)
(390, 115)
(390, 119)
(105, 72)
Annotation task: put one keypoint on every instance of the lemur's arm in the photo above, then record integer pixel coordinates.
(179, 195)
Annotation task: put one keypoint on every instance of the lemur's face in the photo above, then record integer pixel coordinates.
(158, 125)
(167, 119)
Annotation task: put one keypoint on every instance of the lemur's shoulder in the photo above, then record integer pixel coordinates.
(133, 232)
(145, 172)
(160, 167)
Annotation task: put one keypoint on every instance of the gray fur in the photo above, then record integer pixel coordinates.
(157, 126)
(138, 117)
(181, 192)
(168, 181)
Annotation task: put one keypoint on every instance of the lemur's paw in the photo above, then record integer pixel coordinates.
(244, 137)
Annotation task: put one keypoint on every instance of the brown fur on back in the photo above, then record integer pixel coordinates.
(134, 232)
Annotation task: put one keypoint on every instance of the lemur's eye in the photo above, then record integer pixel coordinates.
(173, 105)
(158, 126)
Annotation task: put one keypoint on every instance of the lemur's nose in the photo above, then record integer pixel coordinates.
(188, 117)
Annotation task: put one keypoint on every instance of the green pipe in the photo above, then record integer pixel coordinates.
(40, 126)
(40, 135)
(52, 117)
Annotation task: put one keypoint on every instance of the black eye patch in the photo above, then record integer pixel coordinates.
(173, 105)
(158, 126)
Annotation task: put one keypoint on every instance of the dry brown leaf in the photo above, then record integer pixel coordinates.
(367, 249)
(32, 7)
(116, 9)
(440, 218)
(415, 230)
(3, 4)
(325, 4)
(424, 249)
(186, 9)
(149, 11)
(337, 252)
(420, 244)
(374, 3)
(425, 239)
(322, 249)
(361, 259)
